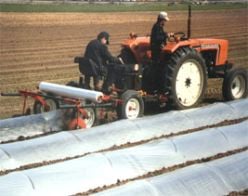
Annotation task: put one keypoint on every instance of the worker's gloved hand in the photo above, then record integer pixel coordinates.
(170, 34)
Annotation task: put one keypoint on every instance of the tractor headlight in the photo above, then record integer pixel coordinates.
(136, 67)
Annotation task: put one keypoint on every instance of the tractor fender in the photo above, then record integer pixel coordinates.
(220, 45)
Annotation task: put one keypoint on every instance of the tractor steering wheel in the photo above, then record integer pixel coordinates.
(178, 36)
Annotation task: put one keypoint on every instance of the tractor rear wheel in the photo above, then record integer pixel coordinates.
(186, 78)
(132, 105)
(235, 84)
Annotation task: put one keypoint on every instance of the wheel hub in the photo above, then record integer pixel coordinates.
(90, 118)
(132, 109)
(188, 82)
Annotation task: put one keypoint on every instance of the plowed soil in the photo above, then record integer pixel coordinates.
(37, 47)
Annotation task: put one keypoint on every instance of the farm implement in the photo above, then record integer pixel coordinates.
(79, 104)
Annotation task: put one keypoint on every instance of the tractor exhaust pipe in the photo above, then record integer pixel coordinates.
(189, 21)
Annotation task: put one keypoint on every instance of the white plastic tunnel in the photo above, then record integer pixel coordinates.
(32, 125)
(69, 144)
(26, 126)
(219, 177)
(99, 169)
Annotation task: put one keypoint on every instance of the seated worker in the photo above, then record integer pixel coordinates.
(98, 54)
(157, 42)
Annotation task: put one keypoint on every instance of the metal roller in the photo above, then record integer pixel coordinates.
(71, 92)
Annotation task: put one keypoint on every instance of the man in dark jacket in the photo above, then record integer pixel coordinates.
(158, 36)
(157, 42)
(100, 57)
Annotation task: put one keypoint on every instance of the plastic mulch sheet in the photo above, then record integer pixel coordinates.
(32, 125)
(218, 177)
(106, 168)
(69, 144)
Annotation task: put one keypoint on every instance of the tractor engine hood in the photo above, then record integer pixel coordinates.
(201, 44)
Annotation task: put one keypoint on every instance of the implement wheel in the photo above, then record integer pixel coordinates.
(51, 104)
(91, 119)
(132, 106)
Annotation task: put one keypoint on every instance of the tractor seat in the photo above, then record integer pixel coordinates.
(86, 66)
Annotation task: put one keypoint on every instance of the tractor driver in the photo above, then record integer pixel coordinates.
(158, 41)
(97, 51)
(158, 36)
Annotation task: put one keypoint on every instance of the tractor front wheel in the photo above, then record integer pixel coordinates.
(186, 78)
(132, 105)
(235, 84)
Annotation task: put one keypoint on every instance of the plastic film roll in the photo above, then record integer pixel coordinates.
(71, 92)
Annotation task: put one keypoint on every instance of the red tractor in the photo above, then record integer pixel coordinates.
(187, 63)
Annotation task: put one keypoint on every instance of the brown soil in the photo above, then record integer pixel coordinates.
(39, 47)
(241, 193)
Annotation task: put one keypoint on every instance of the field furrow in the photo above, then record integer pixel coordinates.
(36, 47)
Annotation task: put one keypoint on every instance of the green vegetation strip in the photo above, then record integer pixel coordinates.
(85, 7)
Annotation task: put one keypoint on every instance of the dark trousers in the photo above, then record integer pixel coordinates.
(155, 52)
(110, 78)
(158, 71)
(96, 81)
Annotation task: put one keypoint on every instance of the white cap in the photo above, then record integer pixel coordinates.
(163, 16)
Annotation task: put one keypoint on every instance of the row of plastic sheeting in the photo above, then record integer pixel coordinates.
(27, 126)
(99, 169)
(74, 143)
(218, 177)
